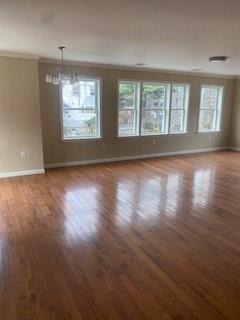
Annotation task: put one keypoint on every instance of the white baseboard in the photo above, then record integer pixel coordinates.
(21, 173)
(125, 158)
(234, 149)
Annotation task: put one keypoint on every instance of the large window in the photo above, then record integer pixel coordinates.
(210, 108)
(128, 108)
(179, 108)
(151, 108)
(80, 108)
(154, 108)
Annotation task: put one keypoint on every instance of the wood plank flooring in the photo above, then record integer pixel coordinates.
(150, 239)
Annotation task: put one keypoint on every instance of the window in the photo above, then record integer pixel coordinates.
(179, 108)
(80, 108)
(154, 108)
(210, 108)
(128, 108)
(144, 108)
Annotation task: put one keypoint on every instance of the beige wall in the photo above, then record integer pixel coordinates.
(235, 123)
(57, 151)
(20, 125)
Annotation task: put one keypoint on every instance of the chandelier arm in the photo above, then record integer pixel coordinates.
(53, 78)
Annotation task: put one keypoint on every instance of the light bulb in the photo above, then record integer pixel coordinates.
(56, 80)
(49, 78)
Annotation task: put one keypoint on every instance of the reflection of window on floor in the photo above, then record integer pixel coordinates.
(81, 224)
(173, 196)
(202, 184)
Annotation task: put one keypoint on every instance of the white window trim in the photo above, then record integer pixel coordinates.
(98, 110)
(185, 109)
(166, 109)
(167, 133)
(219, 110)
(137, 109)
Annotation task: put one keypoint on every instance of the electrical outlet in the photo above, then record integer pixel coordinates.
(103, 145)
(154, 141)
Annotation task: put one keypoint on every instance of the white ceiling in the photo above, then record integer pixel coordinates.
(171, 34)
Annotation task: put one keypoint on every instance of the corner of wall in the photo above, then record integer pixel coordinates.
(234, 131)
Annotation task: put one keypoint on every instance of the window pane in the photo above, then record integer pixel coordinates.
(153, 122)
(177, 121)
(210, 108)
(209, 97)
(81, 94)
(79, 123)
(80, 108)
(127, 123)
(153, 96)
(207, 120)
(127, 95)
(178, 93)
(70, 94)
(87, 94)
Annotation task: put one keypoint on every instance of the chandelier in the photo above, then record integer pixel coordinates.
(57, 77)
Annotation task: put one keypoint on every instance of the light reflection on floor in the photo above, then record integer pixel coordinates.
(127, 200)
(161, 195)
(133, 199)
(173, 194)
(81, 224)
(203, 183)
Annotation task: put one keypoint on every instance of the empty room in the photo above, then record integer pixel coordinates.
(119, 160)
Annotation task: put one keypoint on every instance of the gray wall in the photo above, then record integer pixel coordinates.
(57, 151)
(20, 125)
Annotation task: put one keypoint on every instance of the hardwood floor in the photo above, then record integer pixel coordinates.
(153, 239)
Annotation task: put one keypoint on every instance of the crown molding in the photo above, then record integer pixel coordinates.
(8, 54)
(135, 68)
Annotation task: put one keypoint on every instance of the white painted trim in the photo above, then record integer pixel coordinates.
(6, 54)
(125, 158)
(234, 149)
(21, 173)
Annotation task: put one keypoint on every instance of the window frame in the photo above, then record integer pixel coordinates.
(137, 110)
(167, 104)
(166, 83)
(98, 109)
(218, 119)
(186, 107)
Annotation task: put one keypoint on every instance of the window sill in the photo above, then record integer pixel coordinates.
(81, 139)
(209, 132)
(153, 135)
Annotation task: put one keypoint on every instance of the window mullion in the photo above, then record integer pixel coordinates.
(96, 109)
(140, 109)
(184, 120)
(170, 110)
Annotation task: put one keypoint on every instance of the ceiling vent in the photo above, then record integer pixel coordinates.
(141, 64)
(218, 59)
